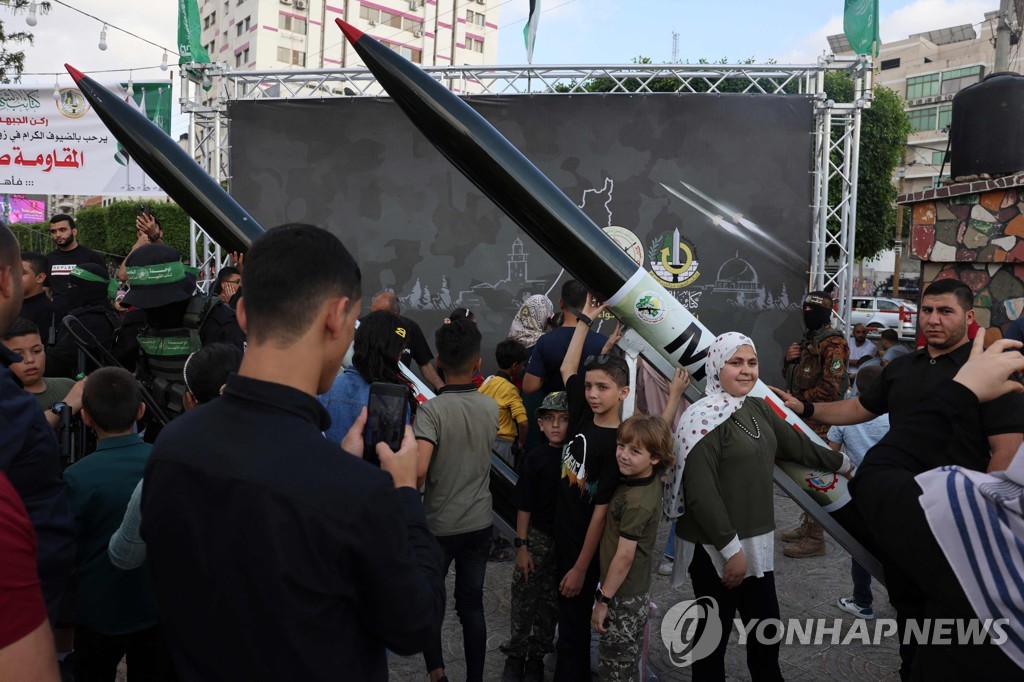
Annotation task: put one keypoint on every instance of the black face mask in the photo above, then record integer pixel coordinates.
(816, 317)
(86, 294)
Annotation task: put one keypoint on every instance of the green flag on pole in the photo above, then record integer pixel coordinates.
(190, 46)
(530, 30)
(860, 24)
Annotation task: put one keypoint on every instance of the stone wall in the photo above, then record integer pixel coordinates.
(975, 233)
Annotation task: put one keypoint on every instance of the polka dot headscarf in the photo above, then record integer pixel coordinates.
(703, 416)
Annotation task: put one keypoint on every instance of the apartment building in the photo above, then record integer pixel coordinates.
(927, 70)
(288, 34)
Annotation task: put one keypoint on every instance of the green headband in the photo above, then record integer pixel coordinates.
(83, 274)
(160, 273)
(87, 276)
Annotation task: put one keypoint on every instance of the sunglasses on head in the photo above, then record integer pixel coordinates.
(597, 360)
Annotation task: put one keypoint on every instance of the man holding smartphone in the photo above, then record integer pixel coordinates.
(247, 491)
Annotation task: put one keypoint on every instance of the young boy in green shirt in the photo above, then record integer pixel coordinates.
(643, 452)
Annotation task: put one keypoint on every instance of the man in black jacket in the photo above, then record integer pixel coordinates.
(97, 322)
(273, 554)
(28, 449)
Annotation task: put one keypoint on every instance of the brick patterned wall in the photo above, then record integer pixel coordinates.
(978, 238)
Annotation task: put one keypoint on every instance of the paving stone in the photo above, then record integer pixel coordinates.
(807, 588)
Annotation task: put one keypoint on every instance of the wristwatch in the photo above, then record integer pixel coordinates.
(58, 407)
(520, 542)
(580, 317)
(600, 598)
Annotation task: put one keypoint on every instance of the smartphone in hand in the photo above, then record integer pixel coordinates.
(385, 419)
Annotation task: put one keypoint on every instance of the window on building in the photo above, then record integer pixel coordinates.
(412, 54)
(923, 86)
(412, 25)
(956, 80)
(239, 29)
(474, 45)
(286, 22)
(890, 64)
(290, 56)
(369, 13)
(247, 24)
(475, 18)
(922, 119)
(938, 158)
(945, 116)
(210, 20)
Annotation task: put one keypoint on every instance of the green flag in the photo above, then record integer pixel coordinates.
(860, 24)
(530, 30)
(190, 46)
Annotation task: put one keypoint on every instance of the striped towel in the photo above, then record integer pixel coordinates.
(978, 521)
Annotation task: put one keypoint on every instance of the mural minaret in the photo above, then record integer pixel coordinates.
(517, 262)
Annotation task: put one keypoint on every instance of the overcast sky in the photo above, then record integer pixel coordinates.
(570, 32)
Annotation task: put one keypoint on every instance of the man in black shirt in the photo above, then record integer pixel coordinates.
(36, 305)
(947, 309)
(66, 256)
(985, 439)
(275, 555)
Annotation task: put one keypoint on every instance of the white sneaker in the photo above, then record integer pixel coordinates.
(665, 567)
(847, 604)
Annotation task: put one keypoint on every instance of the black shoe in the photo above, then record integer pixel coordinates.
(534, 671)
(513, 671)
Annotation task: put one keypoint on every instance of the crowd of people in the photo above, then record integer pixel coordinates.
(187, 480)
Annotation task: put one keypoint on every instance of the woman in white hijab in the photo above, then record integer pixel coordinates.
(721, 492)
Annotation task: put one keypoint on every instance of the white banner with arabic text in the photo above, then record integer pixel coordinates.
(58, 145)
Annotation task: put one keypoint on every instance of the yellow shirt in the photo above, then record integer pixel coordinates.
(510, 405)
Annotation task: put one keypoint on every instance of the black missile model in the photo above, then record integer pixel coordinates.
(558, 225)
(491, 163)
(170, 166)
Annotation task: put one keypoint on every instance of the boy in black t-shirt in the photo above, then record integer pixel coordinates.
(535, 580)
(589, 477)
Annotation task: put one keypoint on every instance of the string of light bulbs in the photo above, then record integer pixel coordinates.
(32, 19)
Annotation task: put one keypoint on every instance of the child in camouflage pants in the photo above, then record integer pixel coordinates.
(643, 451)
(535, 580)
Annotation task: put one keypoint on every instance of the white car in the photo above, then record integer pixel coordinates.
(878, 313)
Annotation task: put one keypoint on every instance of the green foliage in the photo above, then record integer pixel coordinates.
(92, 228)
(884, 130)
(120, 226)
(32, 236)
(12, 60)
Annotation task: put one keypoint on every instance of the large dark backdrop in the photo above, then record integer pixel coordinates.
(358, 167)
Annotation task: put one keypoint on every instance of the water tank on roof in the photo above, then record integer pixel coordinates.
(987, 131)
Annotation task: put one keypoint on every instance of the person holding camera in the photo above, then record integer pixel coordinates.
(274, 553)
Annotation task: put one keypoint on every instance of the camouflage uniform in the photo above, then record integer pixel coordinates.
(535, 602)
(619, 650)
(820, 374)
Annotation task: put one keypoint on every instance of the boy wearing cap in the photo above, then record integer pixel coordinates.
(535, 580)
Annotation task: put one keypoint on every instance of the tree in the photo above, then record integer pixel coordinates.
(12, 60)
(883, 135)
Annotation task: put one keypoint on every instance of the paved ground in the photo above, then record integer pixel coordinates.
(807, 588)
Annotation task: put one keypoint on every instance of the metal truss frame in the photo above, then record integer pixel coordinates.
(836, 131)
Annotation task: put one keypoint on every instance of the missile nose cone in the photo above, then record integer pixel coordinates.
(351, 32)
(75, 73)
